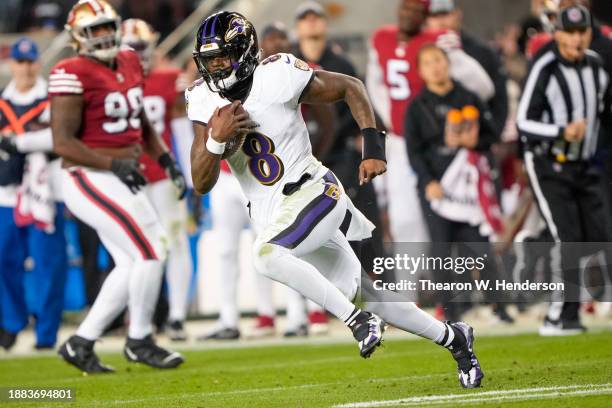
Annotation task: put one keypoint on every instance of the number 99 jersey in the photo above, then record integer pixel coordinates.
(113, 98)
(279, 150)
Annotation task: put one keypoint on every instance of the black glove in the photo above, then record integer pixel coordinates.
(173, 171)
(127, 171)
(7, 143)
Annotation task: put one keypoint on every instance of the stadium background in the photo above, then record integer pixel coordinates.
(350, 25)
(289, 374)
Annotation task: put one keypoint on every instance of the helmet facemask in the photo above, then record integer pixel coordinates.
(104, 47)
(222, 79)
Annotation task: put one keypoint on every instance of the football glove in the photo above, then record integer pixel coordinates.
(175, 174)
(127, 171)
(7, 143)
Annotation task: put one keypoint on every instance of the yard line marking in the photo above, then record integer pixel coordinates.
(523, 397)
(484, 396)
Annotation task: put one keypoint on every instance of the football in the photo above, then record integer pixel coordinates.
(234, 144)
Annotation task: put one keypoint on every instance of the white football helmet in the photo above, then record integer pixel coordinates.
(84, 19)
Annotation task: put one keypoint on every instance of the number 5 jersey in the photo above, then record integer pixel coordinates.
(113, 98)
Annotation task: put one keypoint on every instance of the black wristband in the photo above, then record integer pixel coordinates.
(165, 160)
(373, 144)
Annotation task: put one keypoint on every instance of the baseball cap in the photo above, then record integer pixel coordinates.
(441, 6)
(308, 7)
(24, 49)
(573, 18)
(275, 27)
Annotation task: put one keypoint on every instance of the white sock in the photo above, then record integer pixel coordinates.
(279, 264)
(296, 310)
(446, 339)
(144, 285)
(178, 275)
(228, 285)
(111, 300)
(408, 317)
(265, 306)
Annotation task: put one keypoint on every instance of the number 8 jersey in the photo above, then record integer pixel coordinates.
(279, 150)
(113, 98)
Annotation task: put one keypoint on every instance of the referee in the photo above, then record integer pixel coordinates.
(566, 98)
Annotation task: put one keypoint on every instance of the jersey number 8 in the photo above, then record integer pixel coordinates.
(264, 165)
(117, 106)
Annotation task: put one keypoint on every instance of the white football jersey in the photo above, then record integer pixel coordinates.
(278, 151)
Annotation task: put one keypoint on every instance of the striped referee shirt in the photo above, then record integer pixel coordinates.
(558, 92)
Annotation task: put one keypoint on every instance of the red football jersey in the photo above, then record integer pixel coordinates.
(536, 42)
(113, 98)
(398, 62)
(160, 92)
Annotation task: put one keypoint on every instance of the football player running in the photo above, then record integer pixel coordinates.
(98, 125)
(301, 215)
(163, 96)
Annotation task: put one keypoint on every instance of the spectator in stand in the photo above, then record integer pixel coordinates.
(448, 131)
(444, 15)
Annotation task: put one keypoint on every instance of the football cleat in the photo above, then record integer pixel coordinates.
(79, 352)
(369, 334)
(468, 367)
(222, 334)
(7, 340)
(561, 327)
(300, 331)
(176, 331)
(145, 351)
(502, 315)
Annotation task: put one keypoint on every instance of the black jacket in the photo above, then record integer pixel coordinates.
(424, 126)
(489, 60)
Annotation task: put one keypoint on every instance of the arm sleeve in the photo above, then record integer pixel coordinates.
(532, 105)
(464, 68)
(470, 74)
(416, 145)
(35, 141)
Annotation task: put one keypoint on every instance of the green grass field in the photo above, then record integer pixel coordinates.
(533, 371)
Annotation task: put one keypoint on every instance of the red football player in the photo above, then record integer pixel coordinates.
(99, 129)
(163, 100)
(393, 81)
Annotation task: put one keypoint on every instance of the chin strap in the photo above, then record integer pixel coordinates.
(239, 91)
